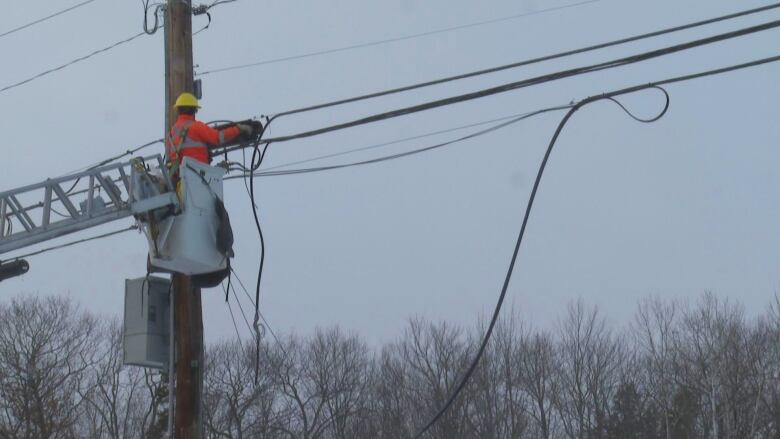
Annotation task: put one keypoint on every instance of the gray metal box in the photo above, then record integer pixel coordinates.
(145, 340)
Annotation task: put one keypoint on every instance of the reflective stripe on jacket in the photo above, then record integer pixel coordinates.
(191, 138)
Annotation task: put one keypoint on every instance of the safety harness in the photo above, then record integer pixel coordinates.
(177, 141)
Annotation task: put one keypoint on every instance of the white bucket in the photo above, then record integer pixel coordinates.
(187, 243)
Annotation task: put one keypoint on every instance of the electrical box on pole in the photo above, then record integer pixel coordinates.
(146, 335)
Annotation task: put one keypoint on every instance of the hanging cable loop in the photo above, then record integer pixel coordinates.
(475, 362)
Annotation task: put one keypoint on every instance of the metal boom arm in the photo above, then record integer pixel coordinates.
(39, 212)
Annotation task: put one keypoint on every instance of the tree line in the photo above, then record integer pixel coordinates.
(678, 370)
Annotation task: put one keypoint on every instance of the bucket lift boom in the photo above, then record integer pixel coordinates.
(47, 210)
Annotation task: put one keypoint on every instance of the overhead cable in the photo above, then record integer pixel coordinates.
(57, 247)
(128, 152)
(246, 292)
(536, 60)
(157, 8)
(265, 321)
(219, 2)
(233, 318)
(483, 345)
(524, 63)
(258, 155)
(391, 40)
(41, 20)
(520, 84)
(611, 96)
(70, 63)
(504, 124)
(383, 144)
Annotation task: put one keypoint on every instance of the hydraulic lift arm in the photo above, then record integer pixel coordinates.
(60, 206)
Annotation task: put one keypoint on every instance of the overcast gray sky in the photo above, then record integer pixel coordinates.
(687, 204)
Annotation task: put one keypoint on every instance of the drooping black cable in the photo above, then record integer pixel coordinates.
(230, 276)
(157, 9)
(538, 60)
(524, 83)
(41, 20)
(529, 206)
(204, 27)
(393, 40)
(258, 155)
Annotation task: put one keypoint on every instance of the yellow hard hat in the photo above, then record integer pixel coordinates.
(186, 100)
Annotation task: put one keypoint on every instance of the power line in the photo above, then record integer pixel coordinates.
(513, 65)
(607, 96)
(479, 133)
(243, 314)
(267, 325)
(520, 117)
(392, 40)
(392, 142)
(232, 317)
(70, 63)
(93, 238)
(128, 152)
(220, 2)
(41, 20)
(520, 84)
(536, 60)
(158, 7)
(513, 260)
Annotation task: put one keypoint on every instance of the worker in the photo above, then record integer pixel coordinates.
(191, 138)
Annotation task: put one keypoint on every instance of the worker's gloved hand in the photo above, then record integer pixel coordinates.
(245, 130)
(257, 128)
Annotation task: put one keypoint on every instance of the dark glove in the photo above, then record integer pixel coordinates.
(257, 128)
(245, 130)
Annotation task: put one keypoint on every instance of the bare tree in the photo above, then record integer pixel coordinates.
(701, 371)
(235, 406)
(323, 384)
(116, 397)
(47, 347)
(495, 401)
(393, 416)
(436, 356)
(590, 359)
(537, 361)
(343, 376)
(654, 333)
(716, 362)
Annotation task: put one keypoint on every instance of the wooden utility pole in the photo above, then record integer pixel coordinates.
(188, 313)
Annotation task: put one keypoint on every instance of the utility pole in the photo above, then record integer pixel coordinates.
(187, 309)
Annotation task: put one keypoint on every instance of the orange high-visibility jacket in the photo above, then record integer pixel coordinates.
(191, 138)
